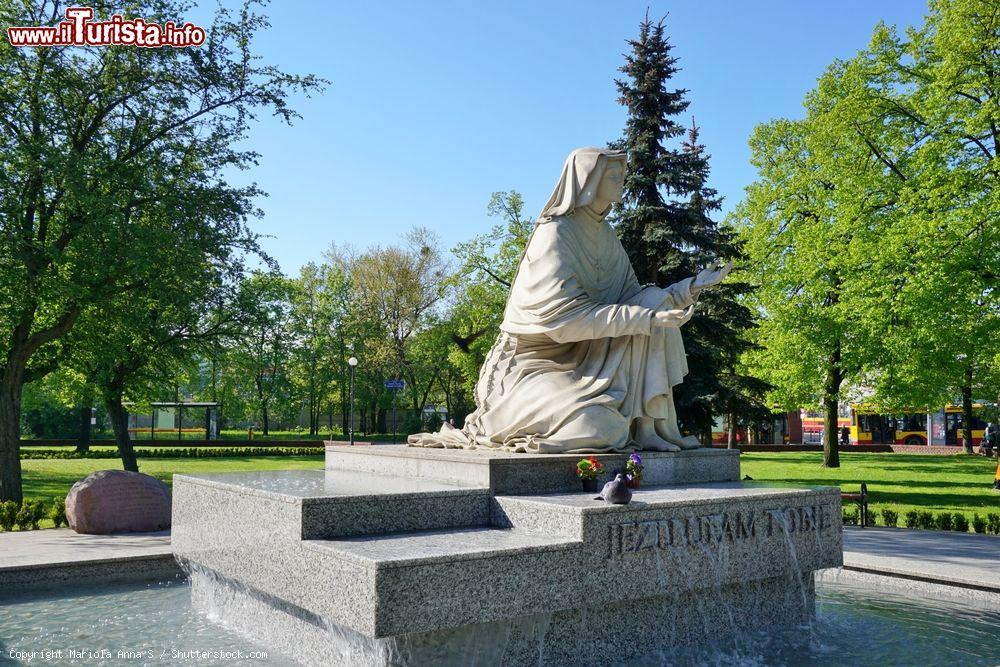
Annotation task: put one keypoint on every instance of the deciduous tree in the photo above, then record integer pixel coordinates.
(90, 138)
(869, 226)
(318, 308)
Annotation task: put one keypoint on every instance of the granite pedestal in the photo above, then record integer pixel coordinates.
(396, 556)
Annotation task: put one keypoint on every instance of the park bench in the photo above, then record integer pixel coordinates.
(862, 501)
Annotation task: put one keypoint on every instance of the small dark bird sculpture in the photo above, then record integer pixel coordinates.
(616, 492)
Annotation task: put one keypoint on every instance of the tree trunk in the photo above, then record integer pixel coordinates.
(731, 436)
(265, 421)
(83, 437)
(346, 409)
(967, 412)
(10, 436)
(449, 402)
(381, 425)
(311, 406)
(831, 395)
(119, 424)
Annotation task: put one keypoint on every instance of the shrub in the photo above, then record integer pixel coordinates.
(959, 522)
(851, 518)
(993, 520)
(23, 518)
(871, 516)
(912, 519)
(30, 514)
(943, 521)
(178, 452)
(890, 517)
(925, 519)
(433, 423)
(38, 513)
(8, 515)
(57, 512)
(978, 523)
(411, 424)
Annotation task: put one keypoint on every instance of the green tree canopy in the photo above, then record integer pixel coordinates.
(869, 226)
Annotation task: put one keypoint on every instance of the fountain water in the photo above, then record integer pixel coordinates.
(859, 620)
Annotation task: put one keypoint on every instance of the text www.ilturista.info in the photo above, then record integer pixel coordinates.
(80, 30)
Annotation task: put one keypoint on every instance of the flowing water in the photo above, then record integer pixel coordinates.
(119, 625)
(154, 624)
(856, 625)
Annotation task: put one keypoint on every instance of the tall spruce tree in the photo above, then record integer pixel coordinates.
(665, 225)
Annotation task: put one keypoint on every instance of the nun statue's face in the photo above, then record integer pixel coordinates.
(609, 191)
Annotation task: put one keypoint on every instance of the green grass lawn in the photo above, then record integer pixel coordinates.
(52, 478)
(900, 481)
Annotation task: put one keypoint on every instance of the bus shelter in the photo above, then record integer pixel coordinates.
(178, 408)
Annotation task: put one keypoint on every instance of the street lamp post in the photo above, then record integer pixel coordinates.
(352, 362)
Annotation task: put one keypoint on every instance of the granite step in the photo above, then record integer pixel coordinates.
(447, 578)
(335, 504)
(572, 515)
(438, 546)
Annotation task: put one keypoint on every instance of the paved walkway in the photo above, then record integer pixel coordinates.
(38, 557)
(62, 545)
(958, 559)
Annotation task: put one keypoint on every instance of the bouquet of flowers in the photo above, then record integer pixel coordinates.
(633, 470)
(589, 468)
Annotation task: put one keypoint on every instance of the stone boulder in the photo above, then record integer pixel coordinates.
(118, 501)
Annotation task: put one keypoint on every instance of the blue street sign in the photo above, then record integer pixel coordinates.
(395, 384)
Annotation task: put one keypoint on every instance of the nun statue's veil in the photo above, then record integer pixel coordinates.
(581, 174)
(581, 364)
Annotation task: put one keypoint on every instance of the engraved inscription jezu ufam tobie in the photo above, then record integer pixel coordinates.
(714, 529)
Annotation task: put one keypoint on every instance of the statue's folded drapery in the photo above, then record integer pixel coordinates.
(579, 358)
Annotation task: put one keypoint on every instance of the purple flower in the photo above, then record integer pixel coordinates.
(628, 476)
(635, 458)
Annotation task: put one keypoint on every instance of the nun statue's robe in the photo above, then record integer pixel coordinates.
(579, 358)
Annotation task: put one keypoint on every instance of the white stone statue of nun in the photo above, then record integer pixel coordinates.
(587, 358)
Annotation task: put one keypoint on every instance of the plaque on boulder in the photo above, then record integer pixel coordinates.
(118, 501)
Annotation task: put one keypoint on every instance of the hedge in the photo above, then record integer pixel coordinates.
(176, 452)
(956, 521)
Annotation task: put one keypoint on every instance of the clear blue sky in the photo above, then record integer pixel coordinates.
(435, 105)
